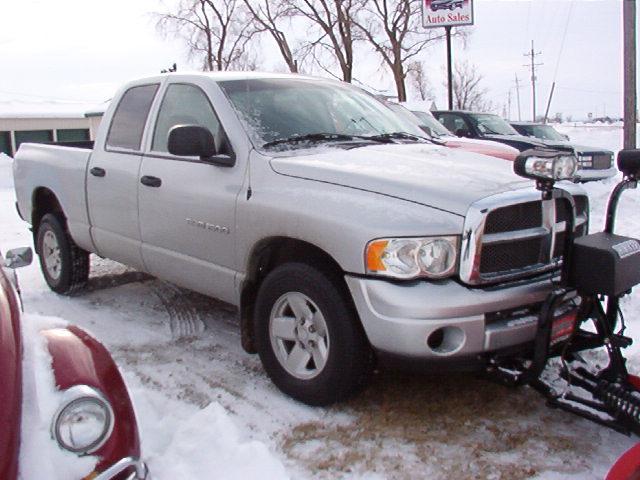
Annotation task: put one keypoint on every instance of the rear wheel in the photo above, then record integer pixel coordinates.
(308, 337)
(65, 266)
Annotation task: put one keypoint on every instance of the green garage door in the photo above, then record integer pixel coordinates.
(5, 143)
(73, 135)
(34, 136)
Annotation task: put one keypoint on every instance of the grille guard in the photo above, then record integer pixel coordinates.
(473, 237)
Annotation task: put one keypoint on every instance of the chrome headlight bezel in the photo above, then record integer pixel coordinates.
(406, 258)
(74, 398)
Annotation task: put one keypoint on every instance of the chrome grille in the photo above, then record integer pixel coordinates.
(516, 234)
(514, 217)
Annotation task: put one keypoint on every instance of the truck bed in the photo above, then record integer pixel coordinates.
(60, 169)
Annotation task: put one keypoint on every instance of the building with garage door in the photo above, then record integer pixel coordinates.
(41, 122)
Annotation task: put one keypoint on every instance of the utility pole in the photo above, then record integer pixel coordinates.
(518, 95)
(449, 67)
(630, 93)
(509, 104)
(533, 54)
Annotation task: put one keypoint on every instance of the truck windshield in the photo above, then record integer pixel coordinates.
(429, 121)
(544, 132)
(276, 110)
(492, 124)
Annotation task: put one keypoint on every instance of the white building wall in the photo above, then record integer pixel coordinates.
(17, 124)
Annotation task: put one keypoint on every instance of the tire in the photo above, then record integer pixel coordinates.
(65, 266)
(325, 358)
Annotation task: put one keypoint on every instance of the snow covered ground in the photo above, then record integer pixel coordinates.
(207, 410)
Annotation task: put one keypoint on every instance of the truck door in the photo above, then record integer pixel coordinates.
(112, 179)
(187, 206)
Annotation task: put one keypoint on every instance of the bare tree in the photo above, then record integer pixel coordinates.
(214, 30)
(267, 16)
(335, 22)
(419, 80)
(468, 93)
(394, 29)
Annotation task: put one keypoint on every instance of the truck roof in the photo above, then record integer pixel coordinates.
(229, 75)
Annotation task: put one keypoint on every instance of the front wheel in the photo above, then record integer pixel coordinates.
(308, 336)
(65, 266)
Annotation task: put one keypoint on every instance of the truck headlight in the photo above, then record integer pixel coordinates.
(407, 258)
(84, 421)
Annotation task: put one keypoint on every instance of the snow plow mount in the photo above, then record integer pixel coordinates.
(609, 396)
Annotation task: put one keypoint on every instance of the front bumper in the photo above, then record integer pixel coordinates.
(445, 320)
(137, 467)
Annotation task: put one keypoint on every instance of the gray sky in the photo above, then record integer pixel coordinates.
(82, 50)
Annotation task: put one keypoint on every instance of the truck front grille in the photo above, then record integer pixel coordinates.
(510, 255)
(516, 234)
(514, 217)
(595, 161)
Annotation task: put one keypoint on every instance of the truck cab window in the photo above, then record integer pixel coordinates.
(130, 117)
(185, 105)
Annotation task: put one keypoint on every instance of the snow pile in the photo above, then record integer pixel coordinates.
(40, 455)
(177, 445)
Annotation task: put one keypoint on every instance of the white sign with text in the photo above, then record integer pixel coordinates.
(447, 13)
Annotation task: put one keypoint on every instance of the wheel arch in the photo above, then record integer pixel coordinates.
(44, 201)
(267, 255)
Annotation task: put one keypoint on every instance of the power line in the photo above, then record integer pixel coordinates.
(564, 36)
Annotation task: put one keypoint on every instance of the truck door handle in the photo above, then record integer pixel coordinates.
(150, 181)
(98, 172)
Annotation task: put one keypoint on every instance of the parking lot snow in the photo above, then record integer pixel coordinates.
(207, 410)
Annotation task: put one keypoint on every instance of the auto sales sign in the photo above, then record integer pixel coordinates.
(447, 13)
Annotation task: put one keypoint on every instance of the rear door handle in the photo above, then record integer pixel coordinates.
(98, 172)
(150, 181)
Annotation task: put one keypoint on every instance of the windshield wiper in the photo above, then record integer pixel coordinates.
(397, 136)
(323, 137)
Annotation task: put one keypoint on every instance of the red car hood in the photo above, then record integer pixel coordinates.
(484, 147)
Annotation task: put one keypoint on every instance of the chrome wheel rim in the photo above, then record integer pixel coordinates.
(51, 254)
(299, 336)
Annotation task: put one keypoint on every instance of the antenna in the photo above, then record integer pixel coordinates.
(533, 54)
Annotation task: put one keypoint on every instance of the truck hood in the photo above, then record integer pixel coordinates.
(431, 175)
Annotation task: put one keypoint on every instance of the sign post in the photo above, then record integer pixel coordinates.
(447, 14)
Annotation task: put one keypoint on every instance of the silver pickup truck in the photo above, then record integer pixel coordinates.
(340, 231)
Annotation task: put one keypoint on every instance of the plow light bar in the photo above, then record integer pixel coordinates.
(550, 165)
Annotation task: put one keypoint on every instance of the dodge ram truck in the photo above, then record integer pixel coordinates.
(340, 232)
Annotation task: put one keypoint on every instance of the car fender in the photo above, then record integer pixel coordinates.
(79, 359)
(627, 467)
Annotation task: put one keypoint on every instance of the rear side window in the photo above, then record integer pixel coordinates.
(129, 120)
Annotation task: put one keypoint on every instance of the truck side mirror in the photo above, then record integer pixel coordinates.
(462, 132)
(191, 141)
